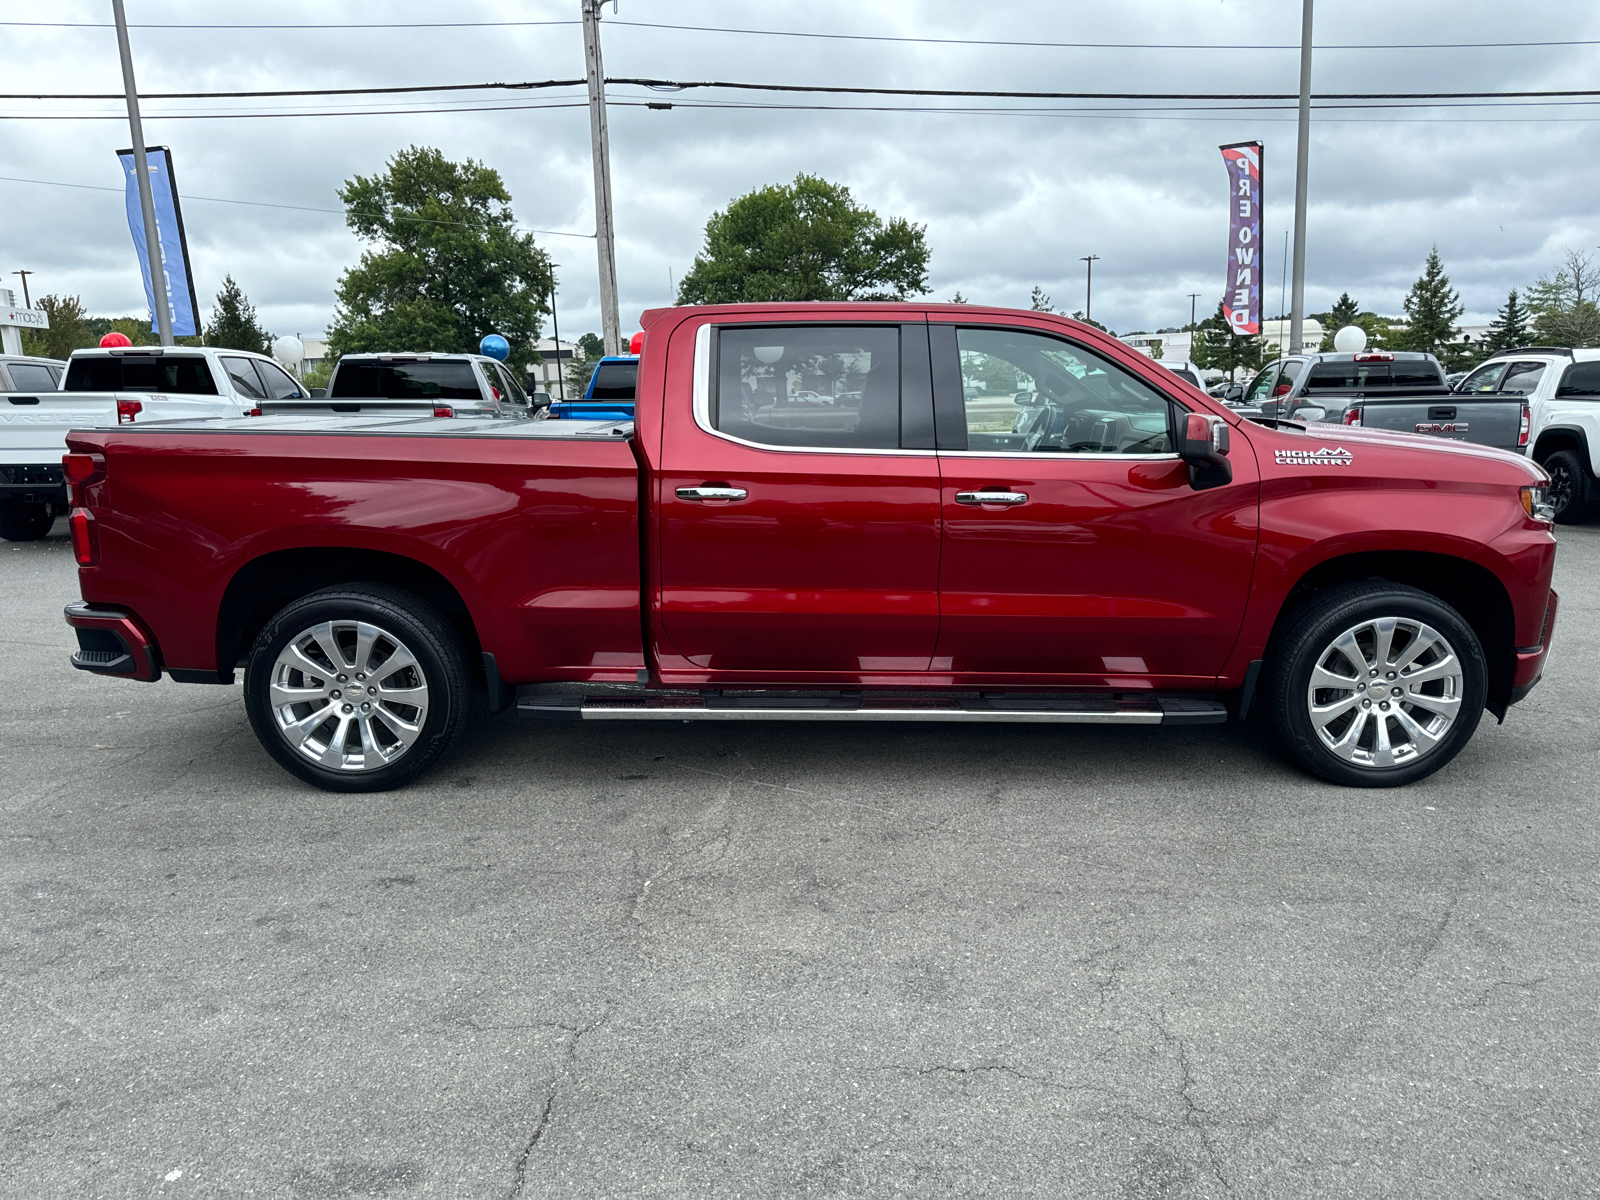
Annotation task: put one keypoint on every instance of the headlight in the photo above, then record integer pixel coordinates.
(1536, 505)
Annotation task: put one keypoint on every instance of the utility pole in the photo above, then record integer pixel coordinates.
(1088, 285)
(26, 303)
(1302, 160)
(1193, 296)
(147, 204)
(605, 234)
(555, 324)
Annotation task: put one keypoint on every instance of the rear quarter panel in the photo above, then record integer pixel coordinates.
(538, 537)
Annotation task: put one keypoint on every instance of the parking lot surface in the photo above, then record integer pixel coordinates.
(788, 960)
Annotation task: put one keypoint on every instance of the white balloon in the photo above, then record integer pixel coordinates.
(288, 350)
(1352, 339)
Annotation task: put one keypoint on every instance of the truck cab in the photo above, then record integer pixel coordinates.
(609, 395)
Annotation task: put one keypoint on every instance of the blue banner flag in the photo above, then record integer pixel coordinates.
(181, 302)
(1241, 297)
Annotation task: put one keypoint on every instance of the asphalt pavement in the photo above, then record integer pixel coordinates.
(788, 960)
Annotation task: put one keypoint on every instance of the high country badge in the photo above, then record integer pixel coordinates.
(1320, 457)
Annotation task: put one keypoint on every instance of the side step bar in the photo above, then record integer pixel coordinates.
(1120, 708)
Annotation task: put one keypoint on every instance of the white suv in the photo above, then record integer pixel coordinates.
(1563, 391)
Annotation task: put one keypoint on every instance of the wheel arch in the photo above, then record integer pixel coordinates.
(1561, 437)
(1472, 590)
(264, 585)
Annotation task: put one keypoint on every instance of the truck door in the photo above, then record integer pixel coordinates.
(1075, 549)
(799, 502)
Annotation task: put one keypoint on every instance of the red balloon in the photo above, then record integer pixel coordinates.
(115, 339)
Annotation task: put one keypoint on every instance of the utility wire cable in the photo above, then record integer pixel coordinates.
(806, 33)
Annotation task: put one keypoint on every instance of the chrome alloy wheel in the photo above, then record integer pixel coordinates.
(348, 695)
(1386, 692)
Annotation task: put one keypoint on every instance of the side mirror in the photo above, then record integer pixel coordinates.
(1024, 398)
(1203, 444)
(1310, 412)
(1234, 394)
(318, 393)
(539, 400)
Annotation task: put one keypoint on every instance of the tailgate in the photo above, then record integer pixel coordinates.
(1484, 421)
(33, 425)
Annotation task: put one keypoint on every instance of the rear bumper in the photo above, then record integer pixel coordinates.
(33, 483)
(1530, 659)
(111, 642)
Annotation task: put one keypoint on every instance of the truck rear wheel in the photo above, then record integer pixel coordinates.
(1375, 684)
(24, 522)
(1569, 477)
(357, 688)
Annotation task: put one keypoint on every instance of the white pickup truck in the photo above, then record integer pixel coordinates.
(1562, 390)
(114, 386)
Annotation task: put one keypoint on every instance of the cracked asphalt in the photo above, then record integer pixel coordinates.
(777, 960)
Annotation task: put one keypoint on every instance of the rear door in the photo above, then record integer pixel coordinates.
(798, 533)
(1075, 550)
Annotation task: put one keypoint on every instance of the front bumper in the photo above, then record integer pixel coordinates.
(111, 642)
(1530, 659)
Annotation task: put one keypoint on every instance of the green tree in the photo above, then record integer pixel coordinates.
(592, 345)
(233, 322)
(1344, 312)
(68, 330)
(1039, 302)
(1432, 307)
(1216, 347)
(1078, 316)
(449, 265)
(808, 241)
(1156, 350)
(1563, 305)
(1509, 329)
(958, 298)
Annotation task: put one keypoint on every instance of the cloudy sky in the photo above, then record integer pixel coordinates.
(1010, 201)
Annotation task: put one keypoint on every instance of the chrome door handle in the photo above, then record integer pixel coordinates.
(711, 493)
(991, 497)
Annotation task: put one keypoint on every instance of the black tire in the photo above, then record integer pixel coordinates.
(23, 522)
(438, 677)
(1307, 640)
(1569, 480)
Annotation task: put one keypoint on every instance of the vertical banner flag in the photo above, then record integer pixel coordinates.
(181, 302)
(1241, 301)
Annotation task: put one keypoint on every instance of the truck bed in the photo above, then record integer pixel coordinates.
(1485, 418)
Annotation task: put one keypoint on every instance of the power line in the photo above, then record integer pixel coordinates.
(675, 85)
(804, 33)
(91, 187)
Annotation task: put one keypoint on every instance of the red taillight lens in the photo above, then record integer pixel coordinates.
(443, 410)
(251, 412)
(80, 471)
(127, 410)
(1352, 416)
(85, 538)
(1525, 427)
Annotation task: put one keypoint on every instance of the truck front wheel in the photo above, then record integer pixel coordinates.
(1375, 684)
(1568, 479)
(357, 688)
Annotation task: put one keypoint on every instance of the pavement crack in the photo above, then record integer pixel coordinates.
(567, 1073)
(1483, 997)
(520, 1174)
(1195, 1116)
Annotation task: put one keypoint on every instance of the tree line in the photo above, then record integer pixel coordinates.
(233, 326)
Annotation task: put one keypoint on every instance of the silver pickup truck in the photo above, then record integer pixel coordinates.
(1498, 419)
(439, 385)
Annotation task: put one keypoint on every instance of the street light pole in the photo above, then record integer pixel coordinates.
(26, 303)
(1193, 296)
(147, 204)
(1302, 161)
(605, 234)
(555, 324)
(1088, 285)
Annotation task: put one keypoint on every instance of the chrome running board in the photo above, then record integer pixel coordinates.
(1085, 708)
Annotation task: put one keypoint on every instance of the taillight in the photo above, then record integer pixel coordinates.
(127, 410)
(80, 471)
(251, 412)
(1352, 416)
(443, 410)
(85, 538)
(1525, 427)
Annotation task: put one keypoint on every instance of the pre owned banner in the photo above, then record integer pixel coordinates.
(179, 282)
(1241, 301)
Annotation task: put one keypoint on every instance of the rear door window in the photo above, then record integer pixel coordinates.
(406, 381)
(806, 385)
(31, 377)
(179, 375)
(242, 374)
(279, 383)
(1485, 379)
(1261, 386)
(1523, 377)
(510, 390)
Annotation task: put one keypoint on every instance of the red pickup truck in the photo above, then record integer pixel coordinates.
(825, 512)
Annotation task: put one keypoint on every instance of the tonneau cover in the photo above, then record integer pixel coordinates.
(391, 426)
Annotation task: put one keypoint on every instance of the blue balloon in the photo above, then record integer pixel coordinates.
(495, 346)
